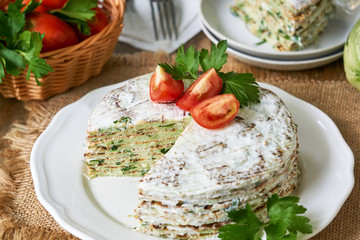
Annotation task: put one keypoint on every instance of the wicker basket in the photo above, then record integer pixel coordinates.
(73, 65)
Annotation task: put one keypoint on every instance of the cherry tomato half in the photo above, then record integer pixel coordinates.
(206, 86)
(163, 88)
(215, 112)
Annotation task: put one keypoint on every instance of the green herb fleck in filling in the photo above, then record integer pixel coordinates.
(127, 168)
(167, 125)
(125, 119)
(164, 150)
(144, 171)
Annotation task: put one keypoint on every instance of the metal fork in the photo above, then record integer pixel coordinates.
(162, 11)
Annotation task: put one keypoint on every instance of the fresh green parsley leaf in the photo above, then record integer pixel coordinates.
(20, 48)
(188, 60)
(174, 71)
(15, 19)
(284, 221)
(2, 69)
(217, 57)
(245, 225)
(13, 59)
(77, 12)
(32, 44)
(187, 64)
(242, 85)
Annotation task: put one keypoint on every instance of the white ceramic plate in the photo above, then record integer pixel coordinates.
(283, 65)
(216, 16)
(99, 209)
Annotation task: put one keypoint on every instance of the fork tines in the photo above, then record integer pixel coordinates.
(163, 11)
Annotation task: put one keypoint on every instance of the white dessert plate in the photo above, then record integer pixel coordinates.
(283, 65)
(216, 16)
(100, 208)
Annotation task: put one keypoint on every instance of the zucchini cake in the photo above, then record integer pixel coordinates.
(196, 174)
(287, 25)
(127, 132)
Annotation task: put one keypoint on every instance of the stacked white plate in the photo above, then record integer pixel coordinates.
(218, 23)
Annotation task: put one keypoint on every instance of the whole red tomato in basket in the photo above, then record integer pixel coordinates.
(58, 34)
(97, 23)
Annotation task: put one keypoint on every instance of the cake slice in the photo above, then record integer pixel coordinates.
(287, 25)
(127, 132)
(187, 192)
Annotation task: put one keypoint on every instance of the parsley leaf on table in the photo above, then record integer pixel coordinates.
(284, 221)
(77, 12)
(242, 85)
(20, 48)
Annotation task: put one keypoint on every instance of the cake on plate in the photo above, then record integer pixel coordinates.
(287, 25)
(191, 175)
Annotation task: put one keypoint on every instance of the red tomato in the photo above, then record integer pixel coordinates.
(206, 86)
(54, 4)
(215, 112)
(97, 23)
(163, 88)
(58, 34)
(40, 8)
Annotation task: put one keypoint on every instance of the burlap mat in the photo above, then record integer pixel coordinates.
(22, 216)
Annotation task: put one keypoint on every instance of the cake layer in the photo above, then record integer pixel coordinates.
(130, 150)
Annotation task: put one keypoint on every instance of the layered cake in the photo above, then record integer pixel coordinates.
(287, 25)
(191, 175)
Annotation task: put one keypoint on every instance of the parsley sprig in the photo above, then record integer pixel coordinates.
(284, 221)
(77, 12)
(20, 48)
(242, 85)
